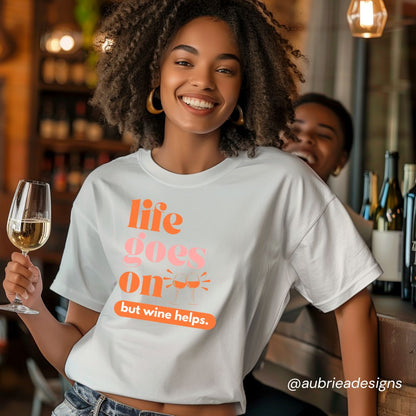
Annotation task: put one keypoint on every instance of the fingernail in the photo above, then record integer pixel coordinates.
(25, 295)
(30, 288)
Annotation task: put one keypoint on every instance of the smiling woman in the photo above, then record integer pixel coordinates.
(254, 40)
(180, 257)
(200, 87)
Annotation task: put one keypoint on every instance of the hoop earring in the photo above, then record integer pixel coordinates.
(337, 171)
(240, 120)
(149, 104)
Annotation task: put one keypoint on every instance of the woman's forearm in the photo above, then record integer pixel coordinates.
(357, 326)
(54, 339)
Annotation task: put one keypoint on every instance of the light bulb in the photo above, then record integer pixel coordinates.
(67, 43)
(367, 18)
(62, 38)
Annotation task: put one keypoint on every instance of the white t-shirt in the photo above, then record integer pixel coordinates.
(363, 226)
(191, 273)
(298, 302)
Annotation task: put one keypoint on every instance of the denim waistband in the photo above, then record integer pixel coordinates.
(108, 406)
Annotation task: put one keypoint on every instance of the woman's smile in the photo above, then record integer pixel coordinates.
(198, 103)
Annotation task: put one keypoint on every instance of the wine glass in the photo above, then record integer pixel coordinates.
(179, 283)
(193, 283)
(28, 225)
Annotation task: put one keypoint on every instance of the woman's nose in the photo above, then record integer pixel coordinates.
(202, 78)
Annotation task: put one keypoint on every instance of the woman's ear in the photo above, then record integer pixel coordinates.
(341, 163)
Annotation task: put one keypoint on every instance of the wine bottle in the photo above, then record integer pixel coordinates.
(75, 174)
(47, 123)
(61, 71)
(89, 166)
(103, 158)
(62, 122)
(78, 73)
(80, 123)
(409, 177)
(413, 285)
(95, 130)
(48, 70)
(369, 203)
(59, 179)
(46, 167)
(409, 238)
(387, 229)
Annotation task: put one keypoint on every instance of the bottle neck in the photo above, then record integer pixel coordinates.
(409, 177)
(391, 166)
(366, 190)
(373, 192)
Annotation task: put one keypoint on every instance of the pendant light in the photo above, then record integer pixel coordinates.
(367, 18)
(63, 34)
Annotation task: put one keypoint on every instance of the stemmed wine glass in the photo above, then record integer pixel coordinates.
(193, 283)
(28, 225)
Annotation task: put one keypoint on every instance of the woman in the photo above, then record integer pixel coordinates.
(180, 256)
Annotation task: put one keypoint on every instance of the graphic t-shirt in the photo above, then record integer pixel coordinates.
(190, 273)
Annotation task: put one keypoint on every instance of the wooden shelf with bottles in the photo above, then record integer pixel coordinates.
(67, 88)
(69, 145)
(68, 137)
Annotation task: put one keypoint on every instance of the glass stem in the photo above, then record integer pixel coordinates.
(17, 300)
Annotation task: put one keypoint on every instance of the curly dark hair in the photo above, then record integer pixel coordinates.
(140, 30)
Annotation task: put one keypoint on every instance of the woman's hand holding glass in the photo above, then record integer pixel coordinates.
(28, 228)
(23, 280)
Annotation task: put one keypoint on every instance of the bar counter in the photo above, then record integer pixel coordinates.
(308, 349)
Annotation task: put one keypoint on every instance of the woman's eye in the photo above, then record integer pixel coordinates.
(225, 71)
(183, 63)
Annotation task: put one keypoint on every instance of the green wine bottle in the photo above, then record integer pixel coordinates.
(387, 229)
(409, 232)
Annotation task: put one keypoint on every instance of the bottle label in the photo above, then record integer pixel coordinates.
(386, 248)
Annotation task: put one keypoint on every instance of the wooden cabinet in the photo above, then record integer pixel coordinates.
(68, 137)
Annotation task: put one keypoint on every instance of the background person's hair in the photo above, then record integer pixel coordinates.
(140, 30)
(344, 117)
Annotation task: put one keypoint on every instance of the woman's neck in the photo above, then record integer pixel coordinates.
(189, 153)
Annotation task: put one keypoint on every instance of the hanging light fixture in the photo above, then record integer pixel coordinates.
(63, 35)
(62, 38)
(367, 18)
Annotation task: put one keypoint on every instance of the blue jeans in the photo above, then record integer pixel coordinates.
(83, 401)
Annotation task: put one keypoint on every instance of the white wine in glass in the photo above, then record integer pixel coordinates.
(28, 225)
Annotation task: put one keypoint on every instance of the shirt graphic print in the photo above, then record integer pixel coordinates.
(180, 283)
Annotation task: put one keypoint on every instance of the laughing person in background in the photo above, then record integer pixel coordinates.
(325, 132)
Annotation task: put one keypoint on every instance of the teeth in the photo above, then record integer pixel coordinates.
(309, 158)
(197, 104)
